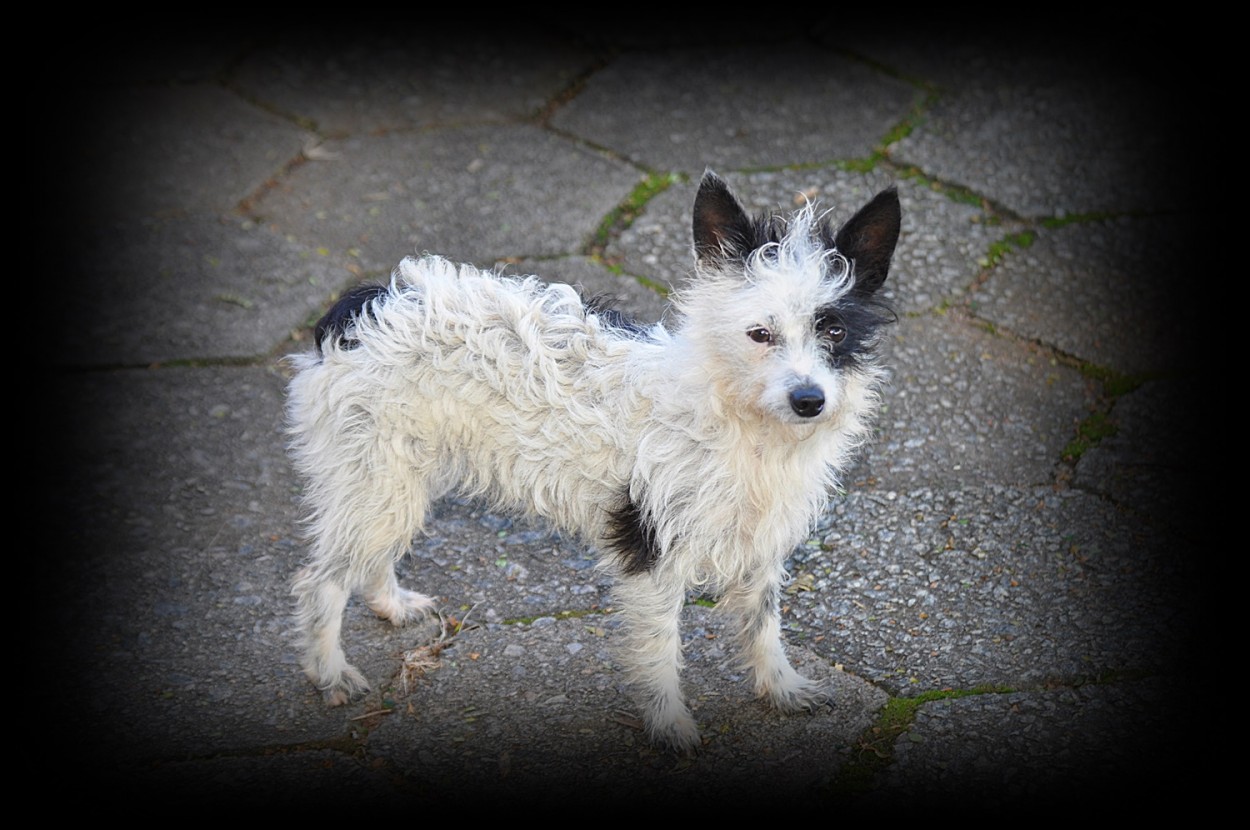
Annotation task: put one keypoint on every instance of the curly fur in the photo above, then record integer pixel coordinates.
(696, 454)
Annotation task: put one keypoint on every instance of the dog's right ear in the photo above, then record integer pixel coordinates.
(722, 228)
(868, 239)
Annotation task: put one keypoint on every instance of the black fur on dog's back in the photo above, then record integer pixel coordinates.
(342, 316)
(604, 307)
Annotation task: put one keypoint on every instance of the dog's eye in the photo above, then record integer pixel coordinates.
(760, 334)
(831, 330)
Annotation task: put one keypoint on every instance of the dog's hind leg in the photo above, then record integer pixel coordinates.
(756, 603)
(400, 498)
(651, 608)
(391, 602)
(359, 535)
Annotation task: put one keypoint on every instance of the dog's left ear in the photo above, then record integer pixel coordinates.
(722, 228)
(868, 240)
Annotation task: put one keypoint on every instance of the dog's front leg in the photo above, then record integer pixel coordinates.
(322, 598)
(651, 607)
(756, 602)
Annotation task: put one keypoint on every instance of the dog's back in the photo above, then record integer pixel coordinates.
(507, 388)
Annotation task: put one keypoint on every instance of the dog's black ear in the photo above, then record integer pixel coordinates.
(722, 229)
(868, 240)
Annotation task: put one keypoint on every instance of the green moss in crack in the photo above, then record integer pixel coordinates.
(625, 213)
(875, 749)
(1016, 241)
(1089, 433)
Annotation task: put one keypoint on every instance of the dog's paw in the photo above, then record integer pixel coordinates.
(401, 606)
(799, 694)
(681, 738)
(347, 686)
(674, 730)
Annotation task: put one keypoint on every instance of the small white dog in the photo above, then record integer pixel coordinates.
(692, 455)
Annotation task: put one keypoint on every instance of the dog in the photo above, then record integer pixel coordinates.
(695, 453)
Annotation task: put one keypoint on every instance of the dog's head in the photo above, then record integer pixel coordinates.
(782, 309)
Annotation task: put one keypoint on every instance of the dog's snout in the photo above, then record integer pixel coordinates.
(807, 401)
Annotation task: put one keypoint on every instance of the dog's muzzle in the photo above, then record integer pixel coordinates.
(807, 401)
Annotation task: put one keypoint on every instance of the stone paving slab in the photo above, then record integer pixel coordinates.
(1142, 462)
(682, 110)
(1109, 290)
(193, 288)
(966, 406)
(967, 752)
(566, 723)
(162, 151)
(359, 81)
(1026, 585)
(474, 194)
(1040, 128)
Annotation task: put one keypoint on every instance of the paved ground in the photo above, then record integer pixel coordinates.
(1007, 596)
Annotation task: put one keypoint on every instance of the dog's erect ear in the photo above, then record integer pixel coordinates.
(868, 240)
(721, 227)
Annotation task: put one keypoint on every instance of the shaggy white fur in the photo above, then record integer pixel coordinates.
(696, 454)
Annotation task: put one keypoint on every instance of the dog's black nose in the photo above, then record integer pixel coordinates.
(807, 401)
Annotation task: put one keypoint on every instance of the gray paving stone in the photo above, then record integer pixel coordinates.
(736, 107)
(473, 194)
(1155, 456)
(167, 151)
(541, 706)
(196, 287)
(999, 752)
(943, 588)
(1108, 289)
(1041, 130)
(181, 538)
(367, 80)
(966, 406)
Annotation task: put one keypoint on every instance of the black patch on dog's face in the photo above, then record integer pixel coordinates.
(342, 316)
(631, 537)
(847, 330)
